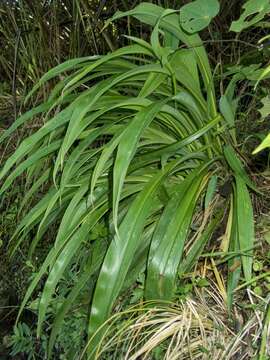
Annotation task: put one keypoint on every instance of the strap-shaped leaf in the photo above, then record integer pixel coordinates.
(234, 263)
(30, 193)
(153, 81)
(63, 260)
(29, 144)
(121, 252)
(245, 226)
(91, 267)
(237, 167)
(211, 189)
(169, 238)
(57, 70)
(128, 50)
(226, 108)
(24, 118)
(185, 67)
(127, 148)
(30, 220)
(33, 159)
(177, 146)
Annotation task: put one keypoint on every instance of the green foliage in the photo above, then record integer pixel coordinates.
(130, 139)
(265, 109)
(72, 334)
(254, 11)
(68, 344)
(23, 342)
(264, 144)
(264, 112)
(198, 14)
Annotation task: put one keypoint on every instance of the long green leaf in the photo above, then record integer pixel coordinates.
(169, 238)
(127, 148)
(245, 225)
(120, 253)
(237, 166)
(234, 263)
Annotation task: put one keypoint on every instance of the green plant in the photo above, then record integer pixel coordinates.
(72, 335)
(254, 12)
(134, 138)
(23, 341)
(71, 338)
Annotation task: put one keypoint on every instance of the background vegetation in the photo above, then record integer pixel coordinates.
(132, 172)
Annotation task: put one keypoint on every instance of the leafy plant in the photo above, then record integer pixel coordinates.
(23, 341)
(254, 11)
(72, 335)
(132, 138)
(71, 338)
